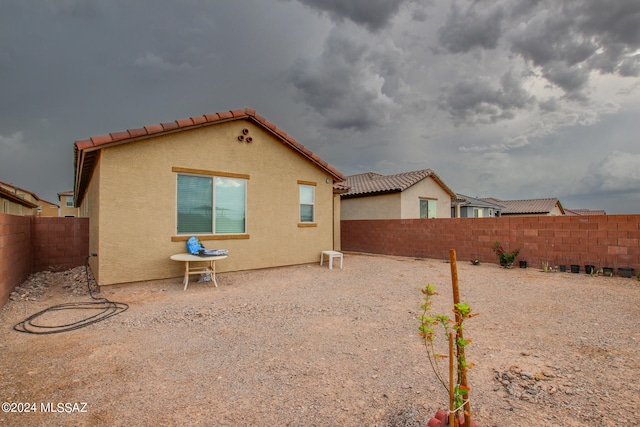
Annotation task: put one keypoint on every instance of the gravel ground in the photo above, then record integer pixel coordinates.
(309, 346)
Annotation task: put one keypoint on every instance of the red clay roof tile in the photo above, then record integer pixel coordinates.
(137, 132)
(84, 162)
(169, 126)
(184, 123)
(118, 136)
(102, 139)
(154, 129)
(198, 120)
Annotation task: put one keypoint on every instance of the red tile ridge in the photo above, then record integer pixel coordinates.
(238, 113)
(250, 112)
(119, 136)
(154, 129)
(137, 132)
(225, 115)
(183, 123)
(199, 120)
(170, 126)
(260, 118)
(99, 140)
(84, 144)
(212, 117)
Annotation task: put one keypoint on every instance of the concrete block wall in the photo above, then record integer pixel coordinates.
(59, 243)
(15, 253)
(32, 244)
(599, 240)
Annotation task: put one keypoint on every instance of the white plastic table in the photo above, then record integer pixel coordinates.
(187, 258)
(331, 255)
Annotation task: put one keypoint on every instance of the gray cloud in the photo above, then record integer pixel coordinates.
(349, 85)
(478, 100)
(372, 14)
(465, 30)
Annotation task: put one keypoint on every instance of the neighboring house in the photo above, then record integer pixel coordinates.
(529, 207)
(417, 194)
(67, 204)
(583, 212)
(471, 207)
(13, 204)
(232, 179)
(43, 207)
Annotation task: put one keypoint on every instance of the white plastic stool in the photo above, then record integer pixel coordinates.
(331, 255)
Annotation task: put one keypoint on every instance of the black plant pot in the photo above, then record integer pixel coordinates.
(523, 264)
(563, 268)
(575, 268)
(588, 269)
(607, 271)
(625, 271)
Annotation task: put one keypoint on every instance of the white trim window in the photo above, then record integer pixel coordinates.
(427, 208)
(307, 203)
(198, 197)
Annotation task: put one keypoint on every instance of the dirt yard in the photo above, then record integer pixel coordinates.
(309, 346)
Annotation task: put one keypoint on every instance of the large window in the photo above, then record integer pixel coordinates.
(200, 196)
(427, 208)
(307, 203)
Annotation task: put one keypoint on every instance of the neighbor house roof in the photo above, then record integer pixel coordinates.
(35, 196)
(371, 183)
(10, 195)
(583, 212)
(529, 206)
(86, 151)
(463, 200)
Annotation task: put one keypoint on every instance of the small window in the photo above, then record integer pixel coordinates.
(427, 208)
(477, 212)
(307, 203)
(69, 202)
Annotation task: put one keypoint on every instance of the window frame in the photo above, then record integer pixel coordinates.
(212, 175)
(312, 185)
(428, 201)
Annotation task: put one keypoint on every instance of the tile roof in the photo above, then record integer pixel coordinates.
(35, 196)
(463, 200)
(16, 198)
(85, 151)
(529, 206)
(371, 183)
(583, 212)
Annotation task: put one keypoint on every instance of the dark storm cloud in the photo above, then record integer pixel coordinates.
(568, 40)
(348, 85)
(479, 101)
(465, 30)
(372, 14)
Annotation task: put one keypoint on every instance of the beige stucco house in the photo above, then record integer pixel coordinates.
(28, 205)
(232, 179)
(67, 204)
(407, 195)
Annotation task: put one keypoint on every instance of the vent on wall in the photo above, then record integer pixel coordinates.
(244, 137)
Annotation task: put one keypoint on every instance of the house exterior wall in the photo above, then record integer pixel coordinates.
(11, 207)
(47, 209)
(381, 206)
(135, 189)
(64, 209)
(425, 189)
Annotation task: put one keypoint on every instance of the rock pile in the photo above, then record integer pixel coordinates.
(73, 281)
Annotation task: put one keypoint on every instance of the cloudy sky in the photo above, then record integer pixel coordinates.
(512, 99)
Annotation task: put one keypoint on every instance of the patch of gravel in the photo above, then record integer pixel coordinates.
(309, 346)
